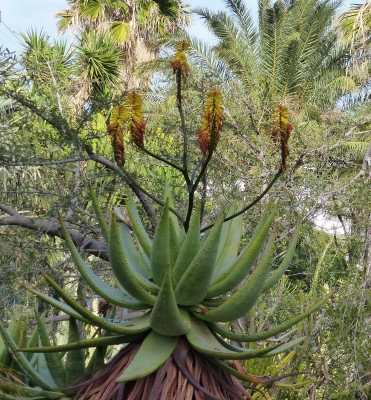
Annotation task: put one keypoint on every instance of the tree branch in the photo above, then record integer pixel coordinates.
(139, 191)
(32, 107)
(50, 228)
(44, 163)
(323, 198)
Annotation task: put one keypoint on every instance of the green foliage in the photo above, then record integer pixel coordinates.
(167, 320)
(286, 59)
(54, 145)
(100, 59)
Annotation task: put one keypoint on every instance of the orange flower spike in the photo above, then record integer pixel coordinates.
(211, 123)
(115, 130)
(281, 132)
(180, 63)
(137, 124)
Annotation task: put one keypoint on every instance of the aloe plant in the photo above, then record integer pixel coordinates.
(188, 289)
(29, 376)
(185, 288)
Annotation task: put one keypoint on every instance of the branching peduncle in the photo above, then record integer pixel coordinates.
(184, 171)
(250, 205)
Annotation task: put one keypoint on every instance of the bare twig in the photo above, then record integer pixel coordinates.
(323, 198)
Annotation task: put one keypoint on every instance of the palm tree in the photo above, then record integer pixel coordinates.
(287, 71)
(354, 29)
(132, 26)
(290, 58)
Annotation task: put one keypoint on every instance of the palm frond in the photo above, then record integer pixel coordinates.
(220, 24)
(245, 22)
(272, 43)
(169, 8)
(100, 59)
(311, 20)
(92, 9)
(64, 20)
(238, 55)
(203, 55)
(355, 24)
(120, 31)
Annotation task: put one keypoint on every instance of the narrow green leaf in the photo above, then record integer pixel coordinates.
(124, 273)
(14, 330)
(230, 278)
(98, 212)
(138, 227)
(57, 304)
(135, 259)
(189, 248)
(203, 340)
(285, 347)
(75, 360)
(27, 393)
(229, 244)
(83, 344)
(244, 337)
(53, 362)
(121, 328)
(240, 302)
(107, 292)
(277, 274)
(26, 366)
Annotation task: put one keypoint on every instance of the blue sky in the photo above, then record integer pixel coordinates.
(18, 16)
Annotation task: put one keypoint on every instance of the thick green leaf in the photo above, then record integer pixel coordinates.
(75, 359)
(166, 317)
(241, 301)
(53, 361)
(124, 272)
(138, 227)
(121, 328)
(189, 248)
(160, 256)
(153, 352)
(192, 286)
(112, 295)
(244, 337)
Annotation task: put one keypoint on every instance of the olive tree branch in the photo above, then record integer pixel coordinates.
(45, 163)
(50, 228)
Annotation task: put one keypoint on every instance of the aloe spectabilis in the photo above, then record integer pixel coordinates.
(183, 315)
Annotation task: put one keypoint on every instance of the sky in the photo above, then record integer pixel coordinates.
(19, 16)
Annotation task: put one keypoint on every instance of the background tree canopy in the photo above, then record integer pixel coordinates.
(295, 90)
